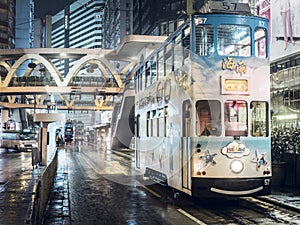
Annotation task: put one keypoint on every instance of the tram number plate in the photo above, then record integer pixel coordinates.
(229, 6)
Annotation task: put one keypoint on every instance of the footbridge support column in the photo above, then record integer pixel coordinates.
(43, 139)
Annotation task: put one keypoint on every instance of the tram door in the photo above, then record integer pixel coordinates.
(186, 144)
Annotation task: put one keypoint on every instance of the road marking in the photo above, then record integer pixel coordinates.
(152, 192)
(190, 216)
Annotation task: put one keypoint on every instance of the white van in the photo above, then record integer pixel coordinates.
(24, 140)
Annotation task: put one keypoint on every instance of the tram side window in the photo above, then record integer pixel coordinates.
(186, 42)
(137, 128)
(235, 118)
(260, 35)
(153, 70)
(143, 72)
(160, 122)
(147, 71)
(178, 53)
(259, 119)
(160, 69)
(165, 120)
(234, 40)
(168, 58)
(138, 80)
(136, 83)
(204, 40)
(208, 118)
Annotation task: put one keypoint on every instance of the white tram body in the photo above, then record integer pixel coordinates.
(202, 108)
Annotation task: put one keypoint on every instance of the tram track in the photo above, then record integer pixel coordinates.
(241, 211)
(245, 210)
(276, 210)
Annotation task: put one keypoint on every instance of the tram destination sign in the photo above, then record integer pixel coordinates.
(235, 85)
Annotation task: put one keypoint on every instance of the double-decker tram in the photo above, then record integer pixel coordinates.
(69, 132)
(202, 105)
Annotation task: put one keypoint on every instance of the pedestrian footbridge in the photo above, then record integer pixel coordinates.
(70, 78)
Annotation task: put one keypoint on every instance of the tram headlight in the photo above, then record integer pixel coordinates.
(237, 166)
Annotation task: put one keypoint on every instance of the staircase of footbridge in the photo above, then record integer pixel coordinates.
(70, 78)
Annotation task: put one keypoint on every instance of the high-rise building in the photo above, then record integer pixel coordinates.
(38, 33)
(158, 17)
(145, 17)
(117, 21)
(24, 24)
(7, 24)
(78, 25)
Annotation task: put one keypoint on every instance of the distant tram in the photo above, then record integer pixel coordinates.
(69, 131)
(79, 132)
(202, 106)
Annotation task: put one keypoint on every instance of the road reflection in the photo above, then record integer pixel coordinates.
(12, 163)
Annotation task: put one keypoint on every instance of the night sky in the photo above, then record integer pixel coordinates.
(50, 7)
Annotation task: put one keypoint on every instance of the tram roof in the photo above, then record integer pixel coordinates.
(131, 45)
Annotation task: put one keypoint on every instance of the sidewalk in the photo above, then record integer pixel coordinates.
(58, 209)
(16, 197)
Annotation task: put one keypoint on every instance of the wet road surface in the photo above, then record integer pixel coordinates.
(97, 187)
(103, 192)
(17, 179)
(94, 186)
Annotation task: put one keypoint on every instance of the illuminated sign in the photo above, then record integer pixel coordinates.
(236, 85)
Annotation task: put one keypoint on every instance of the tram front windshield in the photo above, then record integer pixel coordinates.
(235, 118)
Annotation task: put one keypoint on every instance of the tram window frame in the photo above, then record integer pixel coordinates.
(186, 42)
(178, 52)
(165, 120)
(139, 76)
(259, 119)
(148, 123)
(136, 82)
(137, 127)
(236, 118)
(147, 74)
(153, 69)
(260, 42)
(203, 46)
(208, 118)
(154, 123)
(229, 30)
(160, 64)
(140, 79)
(168, 58)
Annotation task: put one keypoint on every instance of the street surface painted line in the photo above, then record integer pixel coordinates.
(190, 216)
(152, 192)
